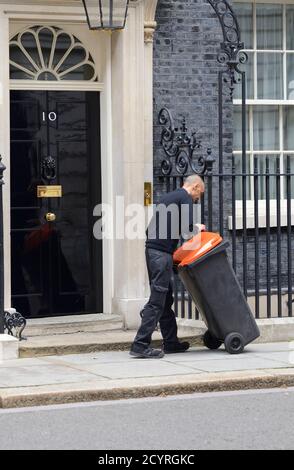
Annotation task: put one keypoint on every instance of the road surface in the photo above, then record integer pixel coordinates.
(229, 420)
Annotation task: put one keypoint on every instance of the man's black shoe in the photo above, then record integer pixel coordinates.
(148, 353)
(173, 348)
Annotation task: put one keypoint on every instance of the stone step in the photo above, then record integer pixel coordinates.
(89, 342)
(94, 333)
(84, 334)
(72, 324)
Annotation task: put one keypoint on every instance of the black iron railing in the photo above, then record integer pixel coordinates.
(261, 248)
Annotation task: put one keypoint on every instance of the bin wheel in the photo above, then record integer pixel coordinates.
(234, 343)
(210, 341)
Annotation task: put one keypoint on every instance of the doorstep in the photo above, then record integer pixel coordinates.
(85, 334)
(104, 332)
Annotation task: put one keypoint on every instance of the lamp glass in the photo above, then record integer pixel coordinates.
(106, 14)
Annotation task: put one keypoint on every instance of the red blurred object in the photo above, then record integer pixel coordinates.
(36, 237)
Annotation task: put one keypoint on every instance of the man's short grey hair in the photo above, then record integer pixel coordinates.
(193, 179)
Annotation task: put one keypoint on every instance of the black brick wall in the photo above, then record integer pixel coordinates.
(186, 44)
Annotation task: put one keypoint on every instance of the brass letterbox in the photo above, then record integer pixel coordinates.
(49, 191)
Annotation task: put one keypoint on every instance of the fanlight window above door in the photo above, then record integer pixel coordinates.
(49, 53)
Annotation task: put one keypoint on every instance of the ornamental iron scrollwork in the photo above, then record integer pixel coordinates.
(177, 144)
(230, 53)
(14, 323)
(180, 148)
(233, 75)
(228, 21)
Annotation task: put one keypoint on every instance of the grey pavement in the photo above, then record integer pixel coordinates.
(224, 420)
(99, 375)
(120, 365)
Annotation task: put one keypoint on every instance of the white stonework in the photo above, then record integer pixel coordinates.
(8, 348)
(128, 96)
(5, 147)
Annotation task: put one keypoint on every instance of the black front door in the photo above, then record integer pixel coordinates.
(56, 261)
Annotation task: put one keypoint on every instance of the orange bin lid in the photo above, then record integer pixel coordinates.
(196, 247)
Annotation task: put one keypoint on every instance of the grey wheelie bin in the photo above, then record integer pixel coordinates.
(206, 272)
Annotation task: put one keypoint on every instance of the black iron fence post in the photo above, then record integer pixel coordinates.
(2, 168)
(209, 161)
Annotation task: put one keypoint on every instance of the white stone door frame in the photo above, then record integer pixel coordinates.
(13, 18)
(133, 55)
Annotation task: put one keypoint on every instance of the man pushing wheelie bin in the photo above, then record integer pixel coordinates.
(204, 269)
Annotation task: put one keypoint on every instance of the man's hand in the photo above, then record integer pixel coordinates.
(201, 228)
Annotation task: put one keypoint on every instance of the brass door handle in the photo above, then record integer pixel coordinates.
(50, 217)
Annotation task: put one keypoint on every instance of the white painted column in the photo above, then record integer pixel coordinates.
(128, 160)
(5, 149)
(107, 172)
(149, 28)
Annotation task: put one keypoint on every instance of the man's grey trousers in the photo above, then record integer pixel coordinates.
(159, 306)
